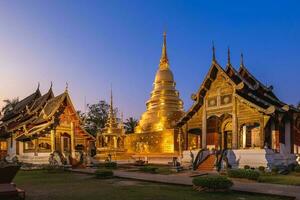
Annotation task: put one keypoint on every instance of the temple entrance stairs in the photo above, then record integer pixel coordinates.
(208, 164)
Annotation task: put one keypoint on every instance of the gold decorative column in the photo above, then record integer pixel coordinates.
(72, 140)
(204, 125)
(234, 124)
(52, 137)
(262, 132)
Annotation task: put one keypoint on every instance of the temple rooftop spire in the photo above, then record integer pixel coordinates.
(242, 60)
(228, 57)
(164, 61)
(213, 52)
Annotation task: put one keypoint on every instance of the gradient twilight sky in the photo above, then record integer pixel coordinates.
(93, 44)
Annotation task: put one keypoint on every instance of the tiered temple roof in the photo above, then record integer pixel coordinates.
(247, 87)
(36, 115)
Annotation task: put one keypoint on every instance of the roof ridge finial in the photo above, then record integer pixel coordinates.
(228, 56)
(164, 61)
(214, 51)
(51, 84)
(67, 87)
(242, 59)
(38, 87)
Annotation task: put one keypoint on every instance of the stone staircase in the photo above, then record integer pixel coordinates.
(208, 164)
(34, 159)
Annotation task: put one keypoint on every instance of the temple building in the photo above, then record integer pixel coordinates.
(40, 125)
(110, 140)
(234, 111)
(156, 133)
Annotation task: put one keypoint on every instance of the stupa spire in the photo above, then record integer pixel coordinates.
(111, 121)
(111, 107)
(164, 61)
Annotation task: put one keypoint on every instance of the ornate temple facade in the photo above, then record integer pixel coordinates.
(233, 110)
(110, 141)
(156, 132)
(42, 124)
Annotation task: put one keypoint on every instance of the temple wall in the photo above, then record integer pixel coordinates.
(152, 142)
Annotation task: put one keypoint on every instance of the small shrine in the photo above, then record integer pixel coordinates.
(110, 141)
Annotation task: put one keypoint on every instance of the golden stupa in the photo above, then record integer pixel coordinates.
(156, 132)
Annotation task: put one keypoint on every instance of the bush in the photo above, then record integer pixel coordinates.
(148, 169)
(274, 170)
(246, 167)
(111, 165)
(291, 167)
(243, 173)
(213, 182)
(261, 169)
(297, 169)
(104, 173)
(140, 163)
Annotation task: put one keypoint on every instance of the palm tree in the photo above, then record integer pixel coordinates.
(9, 104)
(130, 124)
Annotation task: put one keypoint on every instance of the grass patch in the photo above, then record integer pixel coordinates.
(60, 186)
(290, 179)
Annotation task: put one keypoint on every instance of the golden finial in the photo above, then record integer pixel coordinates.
(164, 61)
(67, 87)
(214, 51)
(38, 87)
(228, 56)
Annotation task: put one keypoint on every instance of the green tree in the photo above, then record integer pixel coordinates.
(130, 124)
(96, 117)
(10, 104)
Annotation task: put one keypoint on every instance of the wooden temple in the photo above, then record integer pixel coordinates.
(42, 124)
(233, 110)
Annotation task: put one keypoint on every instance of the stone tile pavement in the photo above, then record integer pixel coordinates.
(185, 179)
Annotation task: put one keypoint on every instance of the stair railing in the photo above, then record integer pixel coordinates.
(201, 156)
(223, 157)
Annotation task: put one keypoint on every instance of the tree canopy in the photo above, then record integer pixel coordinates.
(96, 116)
(130, 124)
(9, 105)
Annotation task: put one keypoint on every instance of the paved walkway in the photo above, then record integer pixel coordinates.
(185, 179)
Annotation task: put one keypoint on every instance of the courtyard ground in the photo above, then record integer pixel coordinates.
(66, 185)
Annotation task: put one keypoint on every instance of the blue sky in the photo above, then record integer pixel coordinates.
(93, 44)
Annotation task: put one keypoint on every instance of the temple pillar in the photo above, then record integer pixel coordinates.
(52, 138)
(234, 125)
(287, 135)
(244, 136)
(115, 142)
(186, 136)
(36, 143)
(72, 140)
(204, 125)
(262, 132)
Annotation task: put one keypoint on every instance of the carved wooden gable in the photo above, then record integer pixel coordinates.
(220, 92)
(68, 116)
